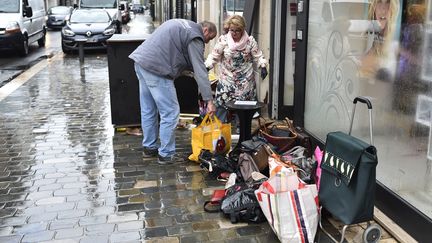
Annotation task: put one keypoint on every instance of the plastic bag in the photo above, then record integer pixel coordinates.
(290, 206)
(241, 204)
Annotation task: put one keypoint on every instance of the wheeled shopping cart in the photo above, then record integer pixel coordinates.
(348, 179)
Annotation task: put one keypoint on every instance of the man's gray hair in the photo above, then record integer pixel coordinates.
(210, 26)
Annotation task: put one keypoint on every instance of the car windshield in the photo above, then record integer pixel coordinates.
(98, 3)
(10, 6)
(89, 17)
(59, 10)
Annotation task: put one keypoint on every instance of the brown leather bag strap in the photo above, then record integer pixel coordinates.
(259, 121)
(290, 125)
(264, 127)
(270, 151)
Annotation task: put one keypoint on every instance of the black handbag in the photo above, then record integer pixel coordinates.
(347, 187)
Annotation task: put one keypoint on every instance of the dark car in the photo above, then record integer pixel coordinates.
(56, 17)
(137, 8)
(92, 27)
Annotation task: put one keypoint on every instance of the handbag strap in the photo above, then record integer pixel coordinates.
(296, 151)
(265, 126)
(212, 120)
(262, 127)
(217, 121)
(290, 125)
(205, 120)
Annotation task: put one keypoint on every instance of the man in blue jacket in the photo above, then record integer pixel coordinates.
(175, 46)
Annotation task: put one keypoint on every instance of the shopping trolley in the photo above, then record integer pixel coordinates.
(348, 179)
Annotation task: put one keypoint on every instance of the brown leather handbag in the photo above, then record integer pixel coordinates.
(303, 139)
(255, 147)
(281, 135)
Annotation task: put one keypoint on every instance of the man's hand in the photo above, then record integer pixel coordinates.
(211, 108)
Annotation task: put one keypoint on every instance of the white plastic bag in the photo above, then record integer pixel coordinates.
(290, 206)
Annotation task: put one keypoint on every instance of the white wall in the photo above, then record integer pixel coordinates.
(261, 32)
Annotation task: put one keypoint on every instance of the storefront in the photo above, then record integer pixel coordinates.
(378, 49)
(323, 53)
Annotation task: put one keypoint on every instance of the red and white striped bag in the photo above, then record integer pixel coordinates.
(290, 207)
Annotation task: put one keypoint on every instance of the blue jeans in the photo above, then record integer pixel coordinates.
(158, 97)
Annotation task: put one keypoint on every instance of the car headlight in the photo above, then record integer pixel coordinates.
(67, 32)
(109, 31)
(12, 27)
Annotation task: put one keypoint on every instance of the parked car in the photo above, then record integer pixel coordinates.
(91, 26)
(137, 8)
(22, 23)
(56, 16)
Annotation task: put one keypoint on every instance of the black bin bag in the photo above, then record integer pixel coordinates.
(241, 204)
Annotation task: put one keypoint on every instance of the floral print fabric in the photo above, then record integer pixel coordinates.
(236, 70)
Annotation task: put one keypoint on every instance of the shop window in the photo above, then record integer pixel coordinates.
(232, 7)
(381, 50)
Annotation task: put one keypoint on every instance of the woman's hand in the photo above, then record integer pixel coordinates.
(263, 72)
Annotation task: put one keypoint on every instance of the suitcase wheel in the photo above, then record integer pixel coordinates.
(372, 234)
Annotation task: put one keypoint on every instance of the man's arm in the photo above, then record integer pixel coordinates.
(196, 55)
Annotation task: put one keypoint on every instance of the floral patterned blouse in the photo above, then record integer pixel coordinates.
(236, 73)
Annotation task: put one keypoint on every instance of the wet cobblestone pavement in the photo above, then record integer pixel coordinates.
(66, 176)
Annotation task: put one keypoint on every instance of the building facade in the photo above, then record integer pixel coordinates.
(325, 53)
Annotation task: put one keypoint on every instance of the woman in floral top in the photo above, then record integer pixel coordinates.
(236, 52)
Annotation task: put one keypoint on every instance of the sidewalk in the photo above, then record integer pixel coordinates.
(66, 176)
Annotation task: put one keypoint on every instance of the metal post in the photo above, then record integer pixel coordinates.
(81, 49)
(81, 57)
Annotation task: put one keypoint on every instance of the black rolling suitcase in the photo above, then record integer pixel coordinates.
(348, 179)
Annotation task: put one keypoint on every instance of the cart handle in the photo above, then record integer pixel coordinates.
(363, 100)
(366, 101)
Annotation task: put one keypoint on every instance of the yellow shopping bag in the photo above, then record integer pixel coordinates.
(212, 135)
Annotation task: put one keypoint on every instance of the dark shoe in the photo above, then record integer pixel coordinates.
(149, 153)
(173, 159)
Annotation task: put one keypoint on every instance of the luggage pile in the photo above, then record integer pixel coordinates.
(275, 177)
(266, 180)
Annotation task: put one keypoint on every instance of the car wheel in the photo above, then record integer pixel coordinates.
(24, 49)
(65, 50)
(42, 40)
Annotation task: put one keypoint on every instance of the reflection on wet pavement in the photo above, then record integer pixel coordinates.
(66, 175)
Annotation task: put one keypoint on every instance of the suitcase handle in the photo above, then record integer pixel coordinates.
(366, 101)
(363, 100)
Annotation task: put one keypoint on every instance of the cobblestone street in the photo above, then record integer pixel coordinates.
(65, 175)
